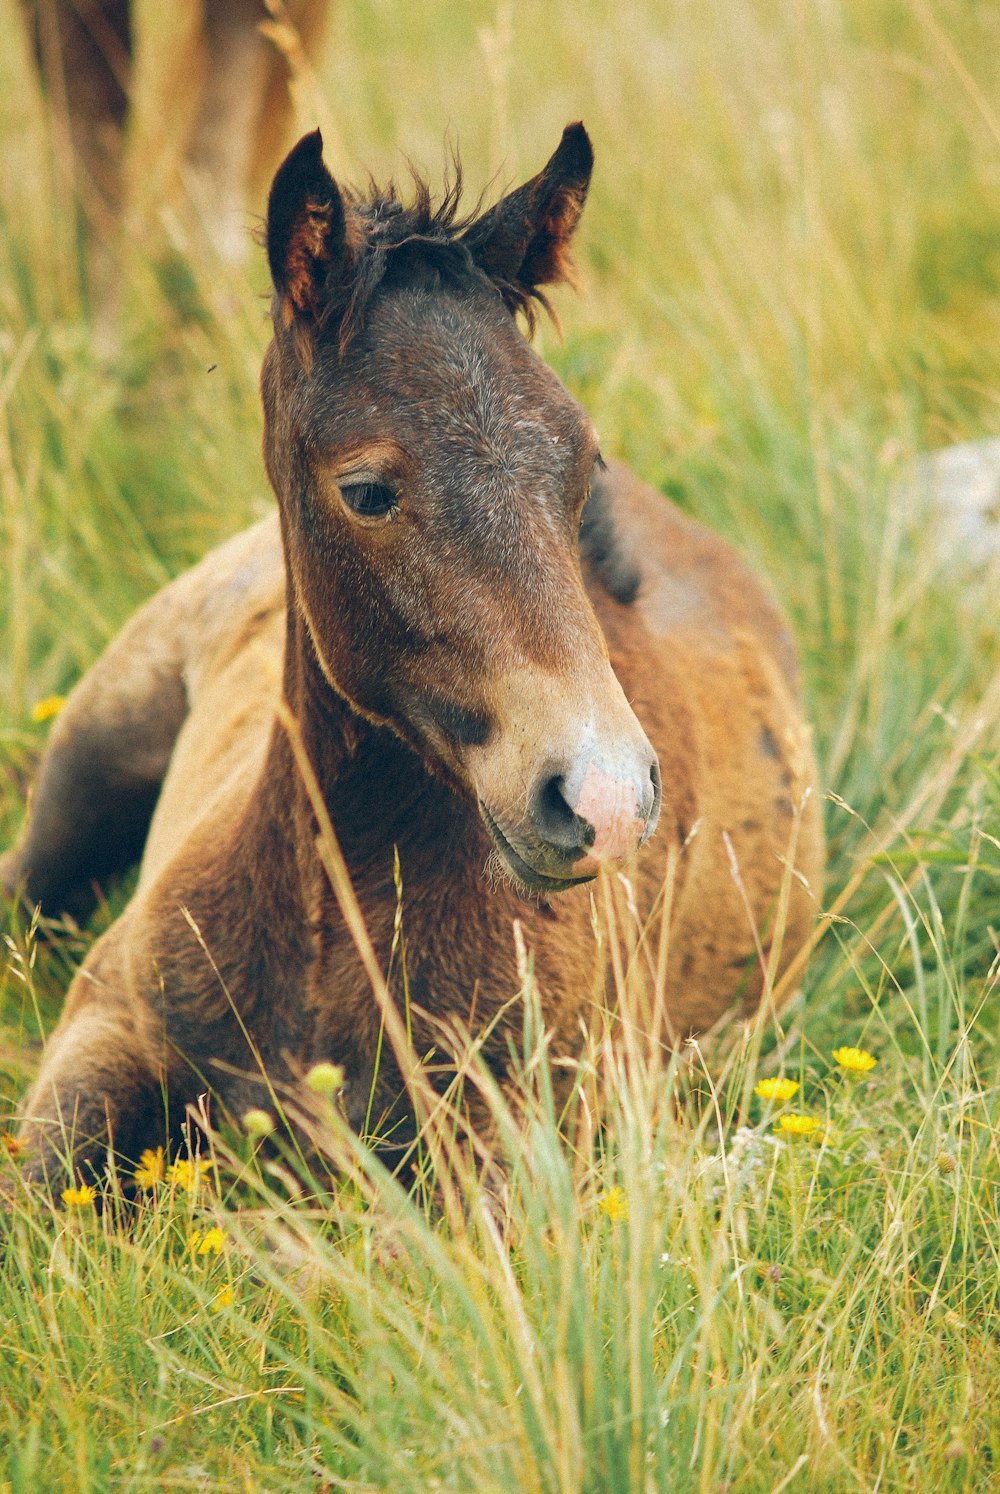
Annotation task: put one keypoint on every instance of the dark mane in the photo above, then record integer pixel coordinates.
(602, 547)
(407, 240)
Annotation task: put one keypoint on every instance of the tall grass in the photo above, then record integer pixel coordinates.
(790, 271)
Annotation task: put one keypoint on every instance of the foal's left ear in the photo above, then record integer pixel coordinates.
(308, 240)
(523, 241)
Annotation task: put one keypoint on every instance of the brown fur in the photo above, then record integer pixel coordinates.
(449, 665)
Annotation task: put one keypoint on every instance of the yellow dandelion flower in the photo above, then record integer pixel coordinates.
(151, 1168)
(222, 1300)
(44, 710)
(776, 1089)
(325, 1078)
(12, 1145)
(212, 1242)
(79, 1198)
(798, 1125)
(854, 1060)
(187, 1173)
(615, 1205)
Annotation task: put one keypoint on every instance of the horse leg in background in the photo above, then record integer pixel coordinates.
(101, 772)
(245, 111)
(83, 50)
(275, 114)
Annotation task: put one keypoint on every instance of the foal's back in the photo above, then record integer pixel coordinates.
(709, 665)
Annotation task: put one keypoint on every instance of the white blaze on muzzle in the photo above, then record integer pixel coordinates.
(570, 788)
(611, 807)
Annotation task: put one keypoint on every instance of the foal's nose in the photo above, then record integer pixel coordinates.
(595, 811)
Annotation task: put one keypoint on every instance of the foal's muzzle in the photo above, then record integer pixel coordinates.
(569, 781)
(591, 814)
(580, 816)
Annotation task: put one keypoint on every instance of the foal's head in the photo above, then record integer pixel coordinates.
(432, 473)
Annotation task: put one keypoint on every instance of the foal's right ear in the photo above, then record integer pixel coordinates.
(523, 242)
(308, 246)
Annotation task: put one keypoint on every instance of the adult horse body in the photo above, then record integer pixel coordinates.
(449, 607)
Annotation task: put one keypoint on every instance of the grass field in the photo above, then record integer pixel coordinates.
(790, 270)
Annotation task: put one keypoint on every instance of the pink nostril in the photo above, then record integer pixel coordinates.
(610, 805)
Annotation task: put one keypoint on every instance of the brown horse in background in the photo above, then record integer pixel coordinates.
(495, 651)
(230, 78)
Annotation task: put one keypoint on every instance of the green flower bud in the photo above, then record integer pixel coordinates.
(325, 1078)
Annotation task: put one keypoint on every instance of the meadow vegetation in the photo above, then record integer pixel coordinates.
(790, 275)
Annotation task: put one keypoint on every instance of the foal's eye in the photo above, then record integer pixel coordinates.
(372, 500)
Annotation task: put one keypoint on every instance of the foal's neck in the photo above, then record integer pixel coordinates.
(377, 791)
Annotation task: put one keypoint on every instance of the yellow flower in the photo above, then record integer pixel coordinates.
(325, 1078)
(150, 1169)
(12, 1145)
(776, 1089)
(615, 1205)
(44, 710)
(798, 1125)
(79, 1198)
(222, 1300)
(258, 1123)
(187, 1173)
(212, 1242)
(854, 1060)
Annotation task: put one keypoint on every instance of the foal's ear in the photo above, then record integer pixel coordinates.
(308, 246)
(523, 242)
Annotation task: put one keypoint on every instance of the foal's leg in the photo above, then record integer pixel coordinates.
(101, 772)
(101, 1084)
